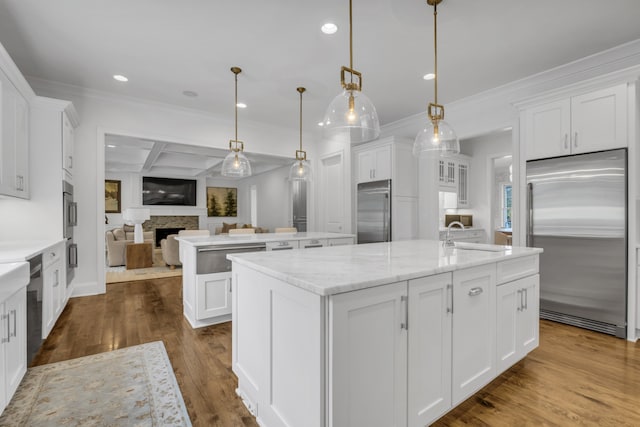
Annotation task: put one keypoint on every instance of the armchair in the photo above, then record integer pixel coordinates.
(171, 247)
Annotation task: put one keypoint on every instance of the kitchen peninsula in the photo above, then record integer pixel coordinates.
(206, 272)
(379, 334)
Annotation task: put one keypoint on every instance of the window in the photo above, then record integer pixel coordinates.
(506, 206)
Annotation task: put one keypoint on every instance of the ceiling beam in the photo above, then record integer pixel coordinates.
(155, 152)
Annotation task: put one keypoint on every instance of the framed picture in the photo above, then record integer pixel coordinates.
(112, 196)
(222, 201)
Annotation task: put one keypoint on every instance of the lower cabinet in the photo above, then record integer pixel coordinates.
(474, 340)
(430, 323)
(340, 241)
(213, 295)
(53, 286)
(13, 351)
(517, 320)
(368, 382)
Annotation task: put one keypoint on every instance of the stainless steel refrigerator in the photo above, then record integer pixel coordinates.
(577, 212)
(374, 211)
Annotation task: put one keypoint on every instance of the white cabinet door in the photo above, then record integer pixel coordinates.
(366, 161)
(213, 295)
(340, 241)
(67, 145)
(16, 346)
(282, 245)
(368, 338)
(599, 120)
(547, 130)
(382, 169)
(14, 141)
(312, 243)
(447, 173)
(4, 334)
(463, 184)
(53, 295)
(517, 321)
(429, 357)
(473, 344)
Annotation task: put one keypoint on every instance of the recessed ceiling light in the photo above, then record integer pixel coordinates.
(120, 78)
(429, 76)
(241, 105)
(190, 93)
(111, 146)
(329, 28)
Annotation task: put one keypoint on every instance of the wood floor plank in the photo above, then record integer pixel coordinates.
(575, 378)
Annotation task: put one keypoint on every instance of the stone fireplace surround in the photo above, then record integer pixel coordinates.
(185, 222)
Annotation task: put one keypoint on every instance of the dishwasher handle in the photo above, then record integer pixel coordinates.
(229, 248)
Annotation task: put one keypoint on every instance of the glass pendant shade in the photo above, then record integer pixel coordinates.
(442, 141)
(351, 117)
(300, 171)
(236, 165)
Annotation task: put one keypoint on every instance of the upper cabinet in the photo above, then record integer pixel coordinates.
(14, 140)
(374, 164)
(453, 176)
(593, 121)
(67, 146)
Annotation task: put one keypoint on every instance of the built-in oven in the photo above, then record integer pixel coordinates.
(70, 220)
(213, 259)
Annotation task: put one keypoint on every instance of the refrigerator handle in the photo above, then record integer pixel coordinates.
(529, 215)
(386, 219)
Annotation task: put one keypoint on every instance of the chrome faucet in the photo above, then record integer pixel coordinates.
(448, 242)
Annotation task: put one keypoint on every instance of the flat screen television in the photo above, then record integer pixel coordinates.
(168, 191)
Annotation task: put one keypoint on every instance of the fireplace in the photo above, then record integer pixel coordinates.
(162, 233)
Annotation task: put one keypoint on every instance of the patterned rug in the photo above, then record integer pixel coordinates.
(157, 271)
(134, 386)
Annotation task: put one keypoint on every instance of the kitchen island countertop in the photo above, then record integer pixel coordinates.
(333, 270)
(220, 239)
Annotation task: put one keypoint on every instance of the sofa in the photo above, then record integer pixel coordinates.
(224, 229)
(116, 241)
(171, 247)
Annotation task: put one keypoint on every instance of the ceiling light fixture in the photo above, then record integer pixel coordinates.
(236, 164)
(329, 28)
(429, 76)
(301, 168)
(241, 105)
(437, 137)
(120, 78)
(351, 116)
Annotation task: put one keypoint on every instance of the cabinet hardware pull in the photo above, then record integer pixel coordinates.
(520, 298)
(405, 305)
(313, 246)
(475, 291)
(575, 139)
(526, 299)
(449, 298)
(230, 290)
(566, 141)
(8, 338)
(15, 323)
(70, 162)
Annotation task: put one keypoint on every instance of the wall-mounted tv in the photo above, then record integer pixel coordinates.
(168, 191)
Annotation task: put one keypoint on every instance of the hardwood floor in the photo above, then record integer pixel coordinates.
(575, 377)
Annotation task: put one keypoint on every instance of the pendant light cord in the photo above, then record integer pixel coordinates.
(236, 105)
(300, 119)
(435, 51)
(351, 38)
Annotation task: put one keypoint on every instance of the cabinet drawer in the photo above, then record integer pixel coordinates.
(312, 243)
(513, 269)
(52, 254)
(340, 241)
(282, 245)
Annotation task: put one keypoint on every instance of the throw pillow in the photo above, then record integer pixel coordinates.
(119, 234)
(226, 227)
(247, 226)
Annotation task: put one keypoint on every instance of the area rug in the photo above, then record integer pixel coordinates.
(159, 270)
(134, 386)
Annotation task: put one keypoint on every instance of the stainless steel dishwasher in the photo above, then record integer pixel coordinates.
(213, 259)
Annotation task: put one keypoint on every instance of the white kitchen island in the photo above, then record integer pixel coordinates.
(206, 272)
(383, 334)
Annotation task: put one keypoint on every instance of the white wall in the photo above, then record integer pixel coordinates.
(101, 113)
(483, 150)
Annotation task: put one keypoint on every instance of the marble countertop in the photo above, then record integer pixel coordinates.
(22, 250)
(333, 270)
(220, 239)
(13, 276)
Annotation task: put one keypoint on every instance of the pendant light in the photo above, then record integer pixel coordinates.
(437, 138)
(351, 116)
(236, 164)
(300, 169)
